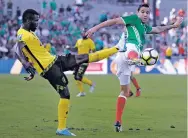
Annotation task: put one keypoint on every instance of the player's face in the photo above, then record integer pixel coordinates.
(83, 34)
(143, 14)
(34, 23)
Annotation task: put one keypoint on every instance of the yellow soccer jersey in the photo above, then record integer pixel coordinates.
(34, 50)
(85, 46)
(48, 47)
(168, 52)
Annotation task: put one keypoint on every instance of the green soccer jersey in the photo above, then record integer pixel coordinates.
(135, 30)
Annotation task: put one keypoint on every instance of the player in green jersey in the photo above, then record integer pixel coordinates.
(131, 43)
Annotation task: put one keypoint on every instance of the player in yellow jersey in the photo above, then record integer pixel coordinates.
(84, 46)
(168, 53)
(35, 57)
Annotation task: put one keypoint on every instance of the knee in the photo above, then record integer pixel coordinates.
(65, 93)
(125, 90)
(125, 93)
(132, 55)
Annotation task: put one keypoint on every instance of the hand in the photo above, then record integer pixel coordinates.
(90, 32)
(29, 77)
(29, 68)
(178, 22)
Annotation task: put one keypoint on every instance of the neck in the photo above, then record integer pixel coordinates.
(25, 28)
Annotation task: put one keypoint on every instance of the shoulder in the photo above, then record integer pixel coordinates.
(21, 32)
(78, 40)
(131, 19)
(133, 16)
(90, 40)
(22, 35)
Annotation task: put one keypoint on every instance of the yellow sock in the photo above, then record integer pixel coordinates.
(80, 86)
(99, 55)
(62, 113)
(86, 81)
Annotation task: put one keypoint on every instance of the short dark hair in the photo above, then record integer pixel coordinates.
(28, 14)
(142, 5)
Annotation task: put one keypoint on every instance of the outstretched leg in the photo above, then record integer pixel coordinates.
(97, 56)
(102, 54)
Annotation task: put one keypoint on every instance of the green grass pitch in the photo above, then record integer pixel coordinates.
(29, 109)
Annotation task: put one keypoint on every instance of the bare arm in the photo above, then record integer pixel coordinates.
(21, 57)
(104, 24)
(109, 23)
(159, 29)
(19, 54)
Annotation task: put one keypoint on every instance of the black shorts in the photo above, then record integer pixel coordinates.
(55, 74)
(70, 62)
(80, 70)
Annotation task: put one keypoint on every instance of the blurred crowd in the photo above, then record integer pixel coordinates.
(61, 25)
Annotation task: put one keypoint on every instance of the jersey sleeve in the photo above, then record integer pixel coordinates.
(48, 47)
(148, 29)
(130, 20)
(92, 45)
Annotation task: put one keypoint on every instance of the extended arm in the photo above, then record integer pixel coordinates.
(159, 29)
(19, 54)
(27, 65)
(104, 24)
(109, 23)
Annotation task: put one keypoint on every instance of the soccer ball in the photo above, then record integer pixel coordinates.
(150, 56)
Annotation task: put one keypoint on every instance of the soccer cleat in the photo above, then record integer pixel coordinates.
(121, 128)
(118, 127)
(64, 132)
(138, 62)
(92, 87)
(81, 94)
(138, 92)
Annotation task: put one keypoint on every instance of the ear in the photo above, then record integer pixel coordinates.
(28, 21)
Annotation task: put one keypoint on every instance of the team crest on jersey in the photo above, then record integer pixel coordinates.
(19, 37)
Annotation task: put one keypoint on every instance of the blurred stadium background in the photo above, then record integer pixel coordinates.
(29, 109)
(62, 20)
